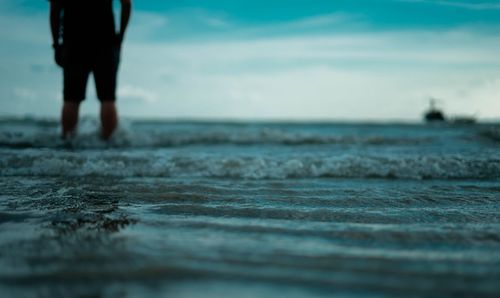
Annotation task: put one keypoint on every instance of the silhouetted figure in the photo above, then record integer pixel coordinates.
(85, 41)
(433, 114)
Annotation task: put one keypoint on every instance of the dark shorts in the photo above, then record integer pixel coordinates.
(79, 63)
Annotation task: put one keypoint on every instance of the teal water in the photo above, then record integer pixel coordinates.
(185, 209)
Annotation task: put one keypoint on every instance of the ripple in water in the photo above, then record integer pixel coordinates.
(267, 210)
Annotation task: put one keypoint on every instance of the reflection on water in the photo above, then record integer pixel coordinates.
(303, 238)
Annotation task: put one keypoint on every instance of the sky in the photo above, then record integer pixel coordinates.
(372, 60)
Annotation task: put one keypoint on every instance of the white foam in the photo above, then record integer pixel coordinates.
(128, 136)
(54, 163)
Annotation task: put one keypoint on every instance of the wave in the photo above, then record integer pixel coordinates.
(113, 164)
(178, 139)
(46, 135)
(492, 134)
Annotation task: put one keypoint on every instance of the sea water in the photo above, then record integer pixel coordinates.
(213, 209)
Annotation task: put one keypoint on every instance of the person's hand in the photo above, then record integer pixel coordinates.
(58, 54)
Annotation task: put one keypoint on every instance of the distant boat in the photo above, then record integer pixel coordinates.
(433, 114)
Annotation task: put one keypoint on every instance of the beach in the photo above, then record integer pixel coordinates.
(249, 209)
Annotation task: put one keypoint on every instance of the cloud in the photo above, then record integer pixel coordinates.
(407, 48)
(176, 24)
(288, 70)
(26, 29)
(24, 94)
(131, 92)
(201, 24)
(480, 99)
(322, 20)
(311, 25)
(340, 76)
(476, 5)
(216, 22)
(144, 25)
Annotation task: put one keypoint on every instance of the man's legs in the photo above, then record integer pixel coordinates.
(105, 75)
(76, 73)
(69, 118)
(109, 118)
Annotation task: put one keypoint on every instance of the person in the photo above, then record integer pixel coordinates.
(85, 41)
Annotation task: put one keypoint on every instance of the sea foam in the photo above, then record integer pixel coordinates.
(51, 163)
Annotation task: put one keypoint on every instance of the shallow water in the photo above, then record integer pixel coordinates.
(249, 209)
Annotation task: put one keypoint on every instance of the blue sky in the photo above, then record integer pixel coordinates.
(295, 59)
